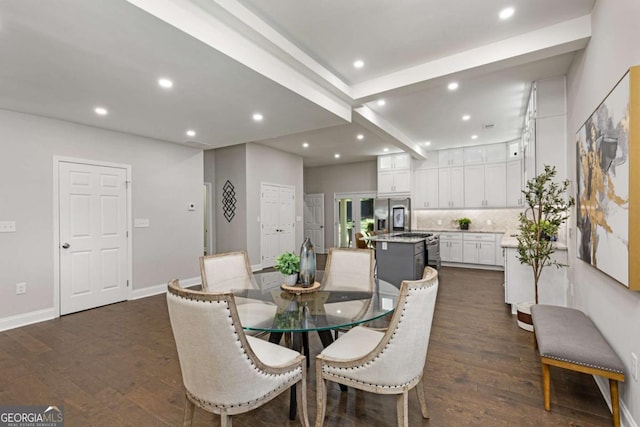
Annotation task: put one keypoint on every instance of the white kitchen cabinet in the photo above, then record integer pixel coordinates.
(394, 182)
(451, 247)
(394, 162)
(513, 150)
(431, 162)
(479, 248)
(481, 154)
(485, 186)
(518, 281)
(499, 250)
(451, 187)
(514, 184)
(451, 157)
(425, 189)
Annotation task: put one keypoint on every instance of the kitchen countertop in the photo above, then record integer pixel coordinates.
(488, 229)
(511, 241)
(394, 237)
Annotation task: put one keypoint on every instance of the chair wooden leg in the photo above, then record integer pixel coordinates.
(225, 420)
(301, 396)
(189, 406)
(615, 402)
(546, 387)
(402, 409)
(321, 394)
(421, 399)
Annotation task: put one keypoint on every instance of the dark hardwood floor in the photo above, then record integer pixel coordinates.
(117, 366)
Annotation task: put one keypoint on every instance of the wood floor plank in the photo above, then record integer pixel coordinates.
(118, 366)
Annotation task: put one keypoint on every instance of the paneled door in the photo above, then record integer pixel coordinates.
(277, 222)
(314, 220)
(93, 236)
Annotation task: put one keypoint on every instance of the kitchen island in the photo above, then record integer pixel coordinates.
(400, 256)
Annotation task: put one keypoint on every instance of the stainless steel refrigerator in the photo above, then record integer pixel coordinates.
(392, 215)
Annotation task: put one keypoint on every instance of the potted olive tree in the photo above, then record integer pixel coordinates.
(288, 264)
(546, 209)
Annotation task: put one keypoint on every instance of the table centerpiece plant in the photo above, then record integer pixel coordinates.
(288, 264)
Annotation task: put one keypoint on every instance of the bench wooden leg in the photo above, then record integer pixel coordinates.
(615, 402)
(546, 386)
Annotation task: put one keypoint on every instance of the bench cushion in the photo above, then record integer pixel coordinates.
(569, 335)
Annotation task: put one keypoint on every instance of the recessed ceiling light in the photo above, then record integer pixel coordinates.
(427, 143)
(337, 155)
(381, 102)
(452, 86)
(474, 136)
(358, 63)
(385, 149)
(506, 13)
(191, 133)
(101, 111)
(466, 117)
(360, 136)
(305, 144)
(165, 83)
(257, 117)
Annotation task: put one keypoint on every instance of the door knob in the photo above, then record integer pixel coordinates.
(65, 246)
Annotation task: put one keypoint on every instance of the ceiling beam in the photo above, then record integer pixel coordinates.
(376, 124)
(209, 29)
(549, 41)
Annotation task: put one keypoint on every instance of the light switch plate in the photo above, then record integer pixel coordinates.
(141, 223)
(7, 226)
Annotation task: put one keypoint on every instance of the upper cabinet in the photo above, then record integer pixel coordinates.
(481, 154)
(452, 157)
(485, 186)
(394, 175)
(394, 161)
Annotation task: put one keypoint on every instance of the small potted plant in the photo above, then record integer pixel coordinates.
(288, 264)
(464, 223)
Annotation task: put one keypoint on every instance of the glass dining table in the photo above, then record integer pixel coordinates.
(264, 307)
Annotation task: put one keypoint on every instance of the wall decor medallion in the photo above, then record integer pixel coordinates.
(229, 200)
(608, 193)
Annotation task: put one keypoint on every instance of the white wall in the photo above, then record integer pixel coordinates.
(270, 166)
(343, 178)
(612, 50)
(165, 178)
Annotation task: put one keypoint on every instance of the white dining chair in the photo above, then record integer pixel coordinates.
(348, 269)
(390, 362)
(223, 370)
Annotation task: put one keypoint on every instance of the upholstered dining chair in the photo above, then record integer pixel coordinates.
(231, 271)
(223, 370)
(351, 270)
(390, 362)
(225, 271)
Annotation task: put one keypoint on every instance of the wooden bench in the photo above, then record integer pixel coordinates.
(568, 339)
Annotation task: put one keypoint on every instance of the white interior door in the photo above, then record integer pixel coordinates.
(93, 236)
(277, 217)
(314, 220)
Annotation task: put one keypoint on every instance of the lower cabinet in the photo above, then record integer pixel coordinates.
(451, 247)
(479, 248)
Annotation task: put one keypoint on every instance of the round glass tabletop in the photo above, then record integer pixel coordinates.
(264, 307)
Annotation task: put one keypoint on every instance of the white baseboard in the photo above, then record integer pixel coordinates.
(476, 266)
(256, 267)
(626, 420)
(150, 291)
(27, 319)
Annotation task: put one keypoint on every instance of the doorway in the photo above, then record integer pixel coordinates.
(354, 213)
(208, 219)
(314, 220)
(91, 240)
(277, 222)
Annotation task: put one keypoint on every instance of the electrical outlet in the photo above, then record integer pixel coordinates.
(21, 288)
(634, 366)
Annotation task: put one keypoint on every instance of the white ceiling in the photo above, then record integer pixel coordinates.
(291, 61)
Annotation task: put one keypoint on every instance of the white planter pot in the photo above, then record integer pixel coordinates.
(291, 279)
(524, 315)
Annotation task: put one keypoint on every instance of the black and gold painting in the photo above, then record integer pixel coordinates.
(606, 156)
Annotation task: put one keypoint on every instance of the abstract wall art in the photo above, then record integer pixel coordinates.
(608, 185)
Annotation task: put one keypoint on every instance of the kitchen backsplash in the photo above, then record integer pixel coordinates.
(499, 220)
